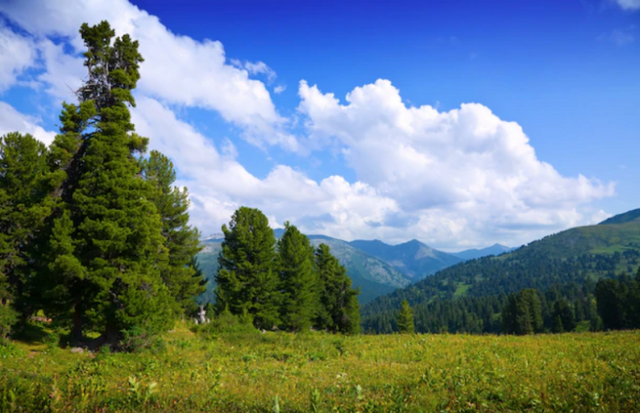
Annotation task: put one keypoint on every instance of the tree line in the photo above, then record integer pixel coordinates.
(608, 304)
(284, 284)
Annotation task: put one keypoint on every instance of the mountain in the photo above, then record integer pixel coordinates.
(374, 276)
(472, 254)
(576, 257)
(413, 258)
(623, 218)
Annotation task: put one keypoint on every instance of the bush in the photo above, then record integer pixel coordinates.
(8, 318)
(137, 339)
(226, 323)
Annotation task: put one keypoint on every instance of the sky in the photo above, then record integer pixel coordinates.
(458, 123)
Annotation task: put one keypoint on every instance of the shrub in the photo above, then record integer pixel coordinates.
(8, 318)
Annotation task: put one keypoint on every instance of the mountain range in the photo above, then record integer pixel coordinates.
(569, 259)
(375, 267)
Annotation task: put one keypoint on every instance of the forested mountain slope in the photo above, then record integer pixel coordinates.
(573, 257)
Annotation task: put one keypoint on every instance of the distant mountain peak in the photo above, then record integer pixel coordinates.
(630, 216)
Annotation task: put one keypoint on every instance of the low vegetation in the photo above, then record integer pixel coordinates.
(242, 370)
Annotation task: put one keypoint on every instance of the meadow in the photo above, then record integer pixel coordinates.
(319, 372)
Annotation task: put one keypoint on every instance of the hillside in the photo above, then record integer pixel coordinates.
(572, 257)
(413, 258)
(374, 276)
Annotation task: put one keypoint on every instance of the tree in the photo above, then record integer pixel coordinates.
(611, 297)
(298, 280)
(106, 246)
(185, 282)
(405, 318)
(522, 313)
(564, 319)
(339, 310)
(24, 206)
(247, 280)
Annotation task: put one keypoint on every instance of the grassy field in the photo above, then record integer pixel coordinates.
(317, 372)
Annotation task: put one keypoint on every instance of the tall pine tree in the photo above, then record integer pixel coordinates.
(405, 318)
(24, 205)
(247, 280)
(339, 309)
(183, 241)
(106, 246)
(298, 280)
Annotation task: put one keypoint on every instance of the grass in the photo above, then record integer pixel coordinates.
(280, 372)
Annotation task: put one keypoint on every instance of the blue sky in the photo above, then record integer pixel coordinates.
(468, 122)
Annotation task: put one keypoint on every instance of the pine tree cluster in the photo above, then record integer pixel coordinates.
(285, 284)
(92, 232)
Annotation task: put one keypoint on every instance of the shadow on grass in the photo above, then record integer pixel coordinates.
(32, 333)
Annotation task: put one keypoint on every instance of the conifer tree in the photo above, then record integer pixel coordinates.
(106, 246)
(298, 280)
(24, 205)
(522, 314)
(405, 318)
(247, 279)
(339, 309)
(183, 241)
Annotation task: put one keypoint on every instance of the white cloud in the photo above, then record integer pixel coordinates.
(13, 121)
(177, 69)
(628, 4)
(279, 89)
(219, 184)
(456, 175)
(17, 54)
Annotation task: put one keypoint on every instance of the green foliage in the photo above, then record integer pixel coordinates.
(24, 206)
(247, 281)
(522, 314)
(619, 302)
(298, 280)
(339, 307)
(405, 318)
(182, 275)
(8, 317)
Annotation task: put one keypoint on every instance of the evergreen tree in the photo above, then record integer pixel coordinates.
(339, 309)
(181, 276)
(106, 246)
(24, 205)
(298, 280)
(562, 311)
(405, 318)
(247, 279)
(522, 314)
(611, 298)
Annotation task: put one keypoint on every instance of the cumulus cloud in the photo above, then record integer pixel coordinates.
(219, 184)
(461, 173)
(628, 4)
(13, 121)
(177, 69)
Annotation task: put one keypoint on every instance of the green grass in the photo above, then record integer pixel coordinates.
(327, 373)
